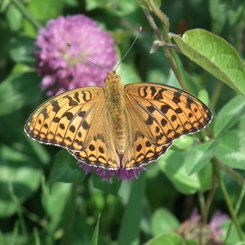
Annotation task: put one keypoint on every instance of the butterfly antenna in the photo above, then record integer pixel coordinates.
(89, 61)
(139, 31)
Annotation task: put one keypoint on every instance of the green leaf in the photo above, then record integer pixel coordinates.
(228, 227)
(168, 239)
(130, 227)
(42, 11)
(222, 10)
(55, 203)
(172, 164)
(94, 240)
(106, 186)
(229, 115)
(14, 18)
(183, 142)
(190, 242)
(199, 156)
(22, 49)
(65, 169)
(231, 149)
(163, 221)
(18, 90)
(204, 176)
(19, 178)
(215, 55)
(143, 4)
(119, 8)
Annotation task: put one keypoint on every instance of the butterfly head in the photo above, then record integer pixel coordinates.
(112, 76)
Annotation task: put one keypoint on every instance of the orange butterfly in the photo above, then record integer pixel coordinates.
(131, 125)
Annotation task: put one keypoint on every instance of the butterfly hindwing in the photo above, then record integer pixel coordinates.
(101, 151)
(141, 151)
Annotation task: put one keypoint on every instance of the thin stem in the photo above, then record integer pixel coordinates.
(209, 199)
(216, 94)
(238, 205)
(170, 53)
(228, 200)
(236, 176)
(26, 13)
(159, 14)
(152, 23)
(19, 210)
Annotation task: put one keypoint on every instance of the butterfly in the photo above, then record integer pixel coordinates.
(116, 125)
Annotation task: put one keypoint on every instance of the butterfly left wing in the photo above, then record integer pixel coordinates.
(167, 112)
(159, 114)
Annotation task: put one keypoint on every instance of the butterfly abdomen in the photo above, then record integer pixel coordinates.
(114, 94)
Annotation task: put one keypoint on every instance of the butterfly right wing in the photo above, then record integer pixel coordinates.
(69, 120)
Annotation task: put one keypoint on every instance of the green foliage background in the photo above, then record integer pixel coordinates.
(46, 199)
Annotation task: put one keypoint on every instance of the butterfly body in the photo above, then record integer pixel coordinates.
(117, 125)
(115, 103)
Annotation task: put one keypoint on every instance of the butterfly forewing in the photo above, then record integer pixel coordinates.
(167, 112)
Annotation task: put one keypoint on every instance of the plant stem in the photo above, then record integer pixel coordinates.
(228, 200)
(26, 13)
(171, 55)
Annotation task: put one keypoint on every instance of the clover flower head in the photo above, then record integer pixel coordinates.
(62, 69)
(105, 174)
(191, 228)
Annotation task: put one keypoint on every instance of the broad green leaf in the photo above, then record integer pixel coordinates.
(19, 178)
(94, 240)
(65, 169)
(232, 148)
(105, 185)
(168, 239)
(163, 221)
(199, 156)
(130, 225)
(18, 90)
(172, 164)
(229, 115)
(215, 55)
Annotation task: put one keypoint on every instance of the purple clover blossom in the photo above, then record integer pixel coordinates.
(61, 67)
(105, 174)
(191, 228)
